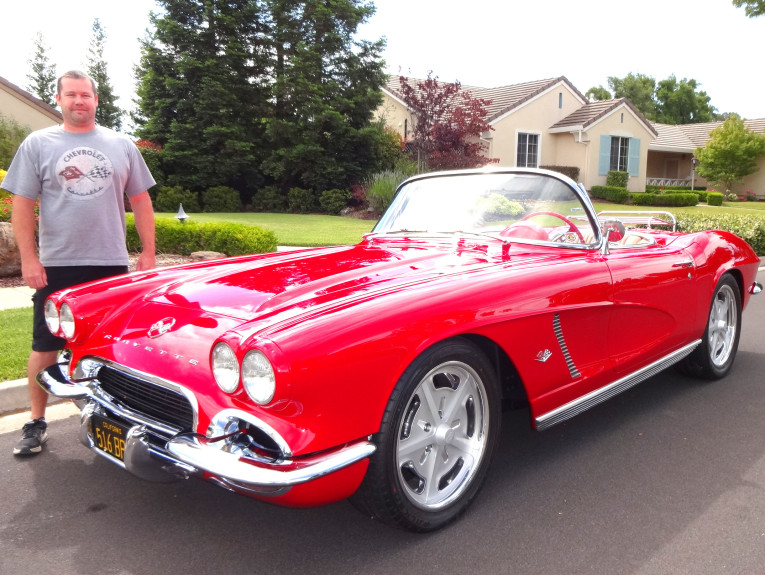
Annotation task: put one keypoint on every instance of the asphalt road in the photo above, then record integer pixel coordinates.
(668, 478)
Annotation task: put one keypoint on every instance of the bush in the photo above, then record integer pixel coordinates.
(152, 155)
(169, 198)
(302, 201)
(617, 179)
(667, 200)
(221, 199)
(230, 239)
(662, 189)
(714, 199)
(616, 194)
(749, 227)
(335, 201)
(497, 207)
(570, 171)
(269, 199)
(382, 188)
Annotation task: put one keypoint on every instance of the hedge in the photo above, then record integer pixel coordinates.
(749, 227)
(678, 199)
(172, 237)
(611, 193)
(570, 171)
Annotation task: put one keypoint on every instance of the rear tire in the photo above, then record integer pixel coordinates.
(714, 357)
(436, 440)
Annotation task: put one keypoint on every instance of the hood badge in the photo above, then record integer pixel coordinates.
(161, 327)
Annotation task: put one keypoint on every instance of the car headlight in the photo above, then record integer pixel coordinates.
(225, 367)
(66, 319)
(51, 317)
(258, 377)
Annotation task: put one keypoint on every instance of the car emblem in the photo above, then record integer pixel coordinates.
(161, 327)
(543, 356)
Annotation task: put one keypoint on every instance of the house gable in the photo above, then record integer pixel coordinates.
(24, 108)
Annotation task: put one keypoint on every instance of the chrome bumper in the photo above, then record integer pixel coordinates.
(157, 452)
(755, 288)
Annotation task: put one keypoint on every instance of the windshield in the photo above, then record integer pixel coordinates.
(519, 206)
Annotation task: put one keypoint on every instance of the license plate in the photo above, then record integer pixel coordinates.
(109, 436)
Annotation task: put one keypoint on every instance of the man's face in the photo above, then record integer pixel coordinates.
(78, 103)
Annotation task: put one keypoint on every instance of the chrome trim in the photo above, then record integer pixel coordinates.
(221, 420)
(192, 454)
(564, 348)
(197, 451)
(90, 391)
(755, 288)
(598, 396)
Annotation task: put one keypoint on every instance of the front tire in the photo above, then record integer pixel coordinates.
(714, 357)
(436, 440)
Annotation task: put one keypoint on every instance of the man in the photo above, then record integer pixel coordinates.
(80, 172)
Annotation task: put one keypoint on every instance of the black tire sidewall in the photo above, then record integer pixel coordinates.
(383, 470)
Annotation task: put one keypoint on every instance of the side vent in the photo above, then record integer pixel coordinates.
(562, 343)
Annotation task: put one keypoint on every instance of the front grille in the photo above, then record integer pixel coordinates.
(152, 400)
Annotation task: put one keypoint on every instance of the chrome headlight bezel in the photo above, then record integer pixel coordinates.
(225, 367)
(67, 322)
(52, 319)
(258, 377)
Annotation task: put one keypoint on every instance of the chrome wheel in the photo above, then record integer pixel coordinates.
(723, 324)
(442, 435)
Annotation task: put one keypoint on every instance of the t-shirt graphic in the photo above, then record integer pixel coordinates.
(83, 173)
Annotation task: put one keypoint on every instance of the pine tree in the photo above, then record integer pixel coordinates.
(247, 93)
(108, 113)
(42, 79)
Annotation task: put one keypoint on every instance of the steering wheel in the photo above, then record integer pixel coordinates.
(571, 227)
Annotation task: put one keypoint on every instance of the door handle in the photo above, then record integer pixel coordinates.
(683, 264)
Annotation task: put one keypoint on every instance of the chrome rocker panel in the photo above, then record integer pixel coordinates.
(191, 454)
(598, 396)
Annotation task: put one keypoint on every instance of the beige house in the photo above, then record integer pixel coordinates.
(551, 123)
(26, 109)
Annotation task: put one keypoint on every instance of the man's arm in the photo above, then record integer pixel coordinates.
(24, 226)
(144, 223)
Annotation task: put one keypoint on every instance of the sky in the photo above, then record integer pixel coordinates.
(486, 43)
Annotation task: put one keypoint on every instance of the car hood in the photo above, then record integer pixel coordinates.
(247, 288)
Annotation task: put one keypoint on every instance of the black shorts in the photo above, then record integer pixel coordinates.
(61, 278)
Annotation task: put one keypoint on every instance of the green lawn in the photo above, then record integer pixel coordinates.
(16, 342)
(295, 229)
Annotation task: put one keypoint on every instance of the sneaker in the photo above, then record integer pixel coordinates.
(33, 435)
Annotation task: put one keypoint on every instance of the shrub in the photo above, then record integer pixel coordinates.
(269, 199)
(714, 198)
(667, 200)
(382, 188)
(747, 226)
(302, 201)
(228, 238)
(616, 194)
(570, 171)
(662, 189)
(498, 207)
(335, 201)
(152, 155)
(169, 198)
(617, 179)
(221, 199)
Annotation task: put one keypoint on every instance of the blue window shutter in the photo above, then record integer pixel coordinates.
(633, 161)
(604, 156)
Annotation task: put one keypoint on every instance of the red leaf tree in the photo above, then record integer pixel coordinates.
(447, 124)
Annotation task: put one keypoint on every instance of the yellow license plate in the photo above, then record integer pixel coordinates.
(109, 436)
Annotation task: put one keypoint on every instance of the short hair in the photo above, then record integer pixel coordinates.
(76, 75)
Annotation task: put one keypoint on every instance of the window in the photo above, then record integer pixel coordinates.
(620, 151)
(528, 151)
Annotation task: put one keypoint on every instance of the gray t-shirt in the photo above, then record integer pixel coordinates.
(81, 180)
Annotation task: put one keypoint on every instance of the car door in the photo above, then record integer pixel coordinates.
(654, 304)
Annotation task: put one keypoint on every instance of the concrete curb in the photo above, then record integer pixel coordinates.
(14, 396)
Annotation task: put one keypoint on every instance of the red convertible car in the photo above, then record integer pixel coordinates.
(378, 371)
